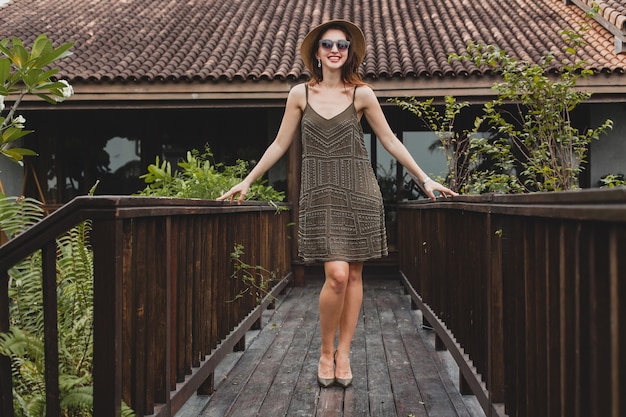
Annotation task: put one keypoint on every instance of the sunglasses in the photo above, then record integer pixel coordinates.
(341, 45)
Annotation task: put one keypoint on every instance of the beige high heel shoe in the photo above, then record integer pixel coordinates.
(342, 382)
(324, 382)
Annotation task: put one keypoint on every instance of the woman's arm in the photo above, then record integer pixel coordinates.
(288, 129)
(367, 103)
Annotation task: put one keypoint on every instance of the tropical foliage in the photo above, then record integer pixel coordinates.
(200, 177)
(24, 342)
(23, 72)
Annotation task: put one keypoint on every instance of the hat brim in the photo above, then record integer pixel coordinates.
(357, 41)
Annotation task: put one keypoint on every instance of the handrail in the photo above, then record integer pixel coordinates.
(527, 292)
(163, 315)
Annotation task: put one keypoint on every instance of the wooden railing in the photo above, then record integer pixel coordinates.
(165, 306)
(528, 292)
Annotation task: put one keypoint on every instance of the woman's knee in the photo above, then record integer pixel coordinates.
(337, 275)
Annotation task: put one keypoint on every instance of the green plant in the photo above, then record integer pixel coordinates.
(199, 177)
(476, 161)
(612, 181)
(453, 143)
(533, 147)
(537, 147)
(25, 72)
(23, 343)
(257, 280)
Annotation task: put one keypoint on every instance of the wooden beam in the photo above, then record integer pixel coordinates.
(605, 87)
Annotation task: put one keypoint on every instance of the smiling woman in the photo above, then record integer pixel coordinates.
(341, 213)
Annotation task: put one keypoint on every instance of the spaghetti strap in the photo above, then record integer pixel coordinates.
(354, 94)
(306, 89)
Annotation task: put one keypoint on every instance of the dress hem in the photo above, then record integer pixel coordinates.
(344, 258)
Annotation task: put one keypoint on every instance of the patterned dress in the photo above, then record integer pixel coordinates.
(341, 207)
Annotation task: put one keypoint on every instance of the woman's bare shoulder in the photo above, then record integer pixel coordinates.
(298, 90)
(365, 98)
(364, 91)
(297, 95)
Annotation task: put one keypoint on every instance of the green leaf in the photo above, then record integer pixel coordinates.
(31, 78)
(41, 46)
(5, 49)
(46, 98)
(13, 133)
(5, 70)
(21, 55)
(54, 55)
(21, 151)
(13, 154)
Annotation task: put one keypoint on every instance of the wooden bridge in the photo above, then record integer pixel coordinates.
(526, 293)
(397, 371)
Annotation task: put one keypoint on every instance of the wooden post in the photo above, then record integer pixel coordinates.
(208, 386)
(51, 331)
(240, 346)
(495, 343)
(298, 270)
(107, 369)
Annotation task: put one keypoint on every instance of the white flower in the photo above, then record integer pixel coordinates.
(67, 91)
(19, 121)
(1, 103)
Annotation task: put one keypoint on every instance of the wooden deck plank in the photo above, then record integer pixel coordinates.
(304, 400)
(396, 372)
(406, 393)
(432, 387)
(356, 397)
(381, 399)
(330, 402)
(263, 375)
(456, 399)
(278, 398)
(228, 392)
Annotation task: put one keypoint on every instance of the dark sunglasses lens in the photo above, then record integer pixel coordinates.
(326, 44)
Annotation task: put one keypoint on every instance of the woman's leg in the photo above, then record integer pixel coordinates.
(331, 304)
(349, 319)
(340, 303)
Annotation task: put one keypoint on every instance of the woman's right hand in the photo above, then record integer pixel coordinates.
(240, 190)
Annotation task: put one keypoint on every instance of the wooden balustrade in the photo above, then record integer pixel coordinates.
(528, 292)
(166, 309)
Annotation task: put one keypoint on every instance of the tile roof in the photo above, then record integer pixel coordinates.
(614, 11)
(119, 41)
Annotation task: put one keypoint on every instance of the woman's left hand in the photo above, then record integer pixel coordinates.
(431, 186)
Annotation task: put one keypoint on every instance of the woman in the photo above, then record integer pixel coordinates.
(341, 221)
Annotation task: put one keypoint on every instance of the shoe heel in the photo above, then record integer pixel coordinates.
(342, 382)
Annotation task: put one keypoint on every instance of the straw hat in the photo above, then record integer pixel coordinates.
(355, 35)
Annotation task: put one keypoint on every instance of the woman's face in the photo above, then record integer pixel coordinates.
(332, 49)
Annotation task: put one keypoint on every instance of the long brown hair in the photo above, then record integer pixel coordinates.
(349, 72)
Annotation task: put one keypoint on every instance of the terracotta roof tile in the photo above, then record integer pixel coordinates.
(157, 40)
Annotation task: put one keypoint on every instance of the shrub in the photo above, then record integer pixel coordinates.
(199, 177)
